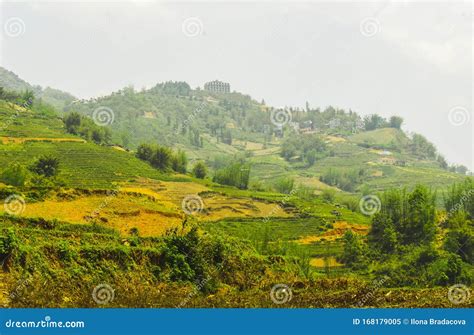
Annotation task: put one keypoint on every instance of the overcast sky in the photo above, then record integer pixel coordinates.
(405, 58)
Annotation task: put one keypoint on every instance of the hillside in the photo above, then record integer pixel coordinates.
(55, 97)
(153, 199)
(83, 212)
(217, 127)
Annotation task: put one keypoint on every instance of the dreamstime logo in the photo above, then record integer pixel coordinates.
(281, 294)
(111, 194)
(103, 116)
(191, 117)
(14, 27)
(369, 27)
(370, 204)
(192, 204)
(192, 27)
(103, 294)
(280, 117)
(458, 294)
(376, 284)
(459, 116)
(14, 204)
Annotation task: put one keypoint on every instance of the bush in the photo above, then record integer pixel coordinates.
(163, 158)
(328, 195)
(236, 174)
(144, 152)
(47, 166)
(284, 185)
(461, 242)
(179, 162)
(200, 170)
(15, 175)
(86, 128)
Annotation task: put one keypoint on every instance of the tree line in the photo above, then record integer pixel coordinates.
(85, 127)
(413, 243)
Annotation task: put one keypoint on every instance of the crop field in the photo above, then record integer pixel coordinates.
(162, 217)
(83, 165)
(18, 122)
(314, 237)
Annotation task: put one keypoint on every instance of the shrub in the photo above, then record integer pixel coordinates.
(461, 242)
(161, 158)
(236, 174)
(200, 170)
(15, 175)
(179, 162)
(328, 195)
(284, 185)
(47, 166)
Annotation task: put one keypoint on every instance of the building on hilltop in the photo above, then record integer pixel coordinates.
(217, 86)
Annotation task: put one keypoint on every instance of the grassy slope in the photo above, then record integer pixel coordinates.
(86, 165)
(56, 98)
(382, 169)
(89, 166)
(63, 263)
(83, 165)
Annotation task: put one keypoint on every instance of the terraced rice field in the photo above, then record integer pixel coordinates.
(149, 205)
(82, 165)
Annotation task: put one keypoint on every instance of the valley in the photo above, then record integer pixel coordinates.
(177, 192)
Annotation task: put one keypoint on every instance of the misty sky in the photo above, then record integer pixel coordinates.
(404, 58)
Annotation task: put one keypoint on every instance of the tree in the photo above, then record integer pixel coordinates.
(461, 169)
(383, 235)
(16, 175)
(236, 174)
(200, 170)
(419, 222)
(47, 166)
(144, 152)
(460, 198)
(374, 121)
(421, 147)
(97, 136)
(461, 242)
(227, 137)
(179, 162)
(353, 253)
(304, 147)
(284, 185)
(396, 122)
(311, 157)
(442, 162)
(161, 158)
(27, 97)
(72, 122)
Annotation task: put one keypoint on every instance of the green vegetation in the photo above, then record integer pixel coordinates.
(163, 158)
(236, 174)
(200, 170)
(345, 180)
(86, 128)
(403, 241)
(46, 166)
(283, 205)
(304, 148)
(59, 99)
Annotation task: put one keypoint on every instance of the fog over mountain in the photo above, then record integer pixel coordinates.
(408, 59)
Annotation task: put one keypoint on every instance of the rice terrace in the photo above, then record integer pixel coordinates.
(300, 181)
(229, 212)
